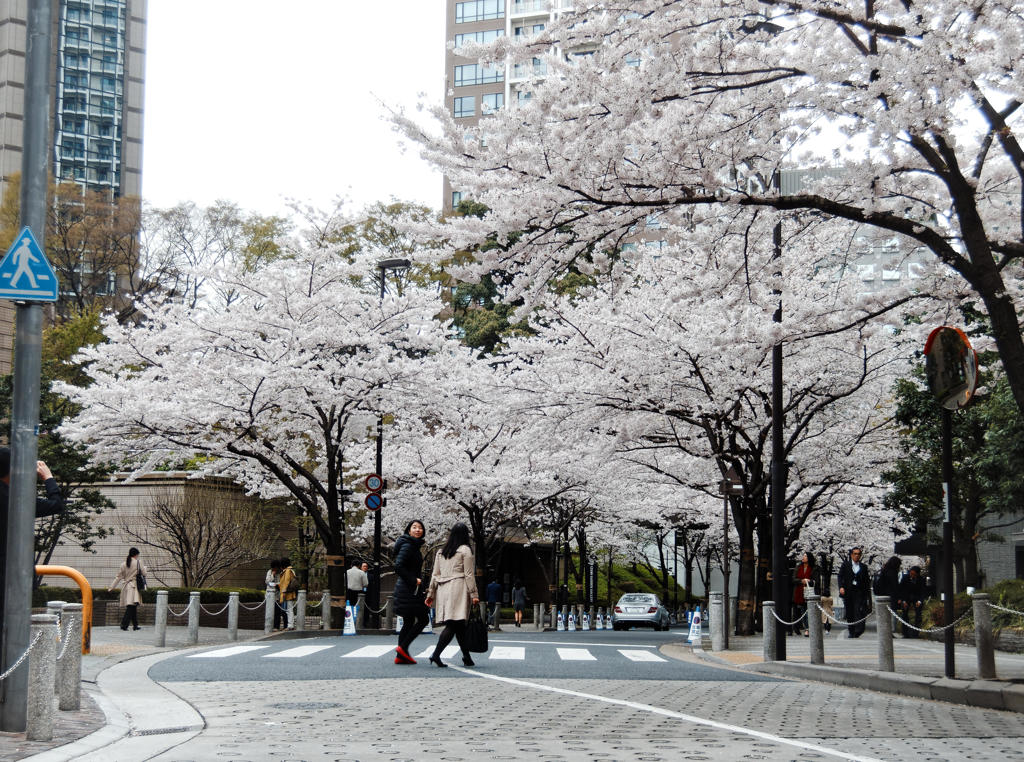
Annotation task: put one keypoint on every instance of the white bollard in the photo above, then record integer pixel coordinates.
(300, 611)
(193, 617)
(41, 666)
(270, 600)
(160, 623)
(232, 616)
(69, 666)
(55, 608)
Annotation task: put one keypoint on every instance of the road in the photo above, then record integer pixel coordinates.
(555, 696)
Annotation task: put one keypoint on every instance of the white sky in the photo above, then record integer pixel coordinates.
(259, 101)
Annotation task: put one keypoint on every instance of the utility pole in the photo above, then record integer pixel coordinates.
(17, 601)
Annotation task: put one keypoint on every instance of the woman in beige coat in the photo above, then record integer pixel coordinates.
(452, 591)
(127, 577)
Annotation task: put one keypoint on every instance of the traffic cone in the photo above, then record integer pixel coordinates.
(399, 621)
(350, 622)
(572, 623)
(599, 625)
(429, 629)
(561, 623)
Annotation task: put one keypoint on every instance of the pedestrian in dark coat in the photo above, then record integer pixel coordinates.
(889, 580)
(855, 590)
(51, 504)
(409, 589)
(912, 595)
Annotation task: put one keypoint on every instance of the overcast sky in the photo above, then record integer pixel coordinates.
(256, 101)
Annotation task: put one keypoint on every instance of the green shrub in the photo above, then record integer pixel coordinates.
(1008, 594)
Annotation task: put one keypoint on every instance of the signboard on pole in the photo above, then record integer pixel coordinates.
(25, 273)
(951, 365)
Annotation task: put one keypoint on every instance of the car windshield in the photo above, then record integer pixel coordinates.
(637, 598)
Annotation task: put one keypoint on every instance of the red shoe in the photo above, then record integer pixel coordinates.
(403, 656)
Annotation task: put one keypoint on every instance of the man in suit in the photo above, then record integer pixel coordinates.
(855, 590)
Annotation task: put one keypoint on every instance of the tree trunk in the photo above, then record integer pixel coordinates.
(746, 583)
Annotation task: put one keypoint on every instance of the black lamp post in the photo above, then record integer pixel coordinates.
(374, 591)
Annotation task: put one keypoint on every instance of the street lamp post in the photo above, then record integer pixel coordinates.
(730, 485)
(374, 587)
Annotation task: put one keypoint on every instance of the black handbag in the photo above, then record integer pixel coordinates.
(476, 632)
(140, 580)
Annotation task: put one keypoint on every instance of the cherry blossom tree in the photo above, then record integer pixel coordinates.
(691, 111)
(278, 387)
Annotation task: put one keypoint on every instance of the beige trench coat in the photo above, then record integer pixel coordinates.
(453, 585)
(126, 576)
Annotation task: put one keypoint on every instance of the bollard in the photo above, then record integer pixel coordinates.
(193, 617)
(160, 623)
(389, 615)
(69, 666)
(717, 622)
(815, 627)
(361, 613)
(300, 611)
(983, 638)
(325, 610)
(270, 600)
(41, 658)
(886, 662)
(537, 623)
(232, 616)
(768, 628)
(55, 608)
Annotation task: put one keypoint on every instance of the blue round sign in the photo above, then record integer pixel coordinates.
(373, 501)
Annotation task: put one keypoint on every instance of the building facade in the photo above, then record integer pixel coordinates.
(96, 102)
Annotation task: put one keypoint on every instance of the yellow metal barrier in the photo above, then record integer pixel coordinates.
(83, 584)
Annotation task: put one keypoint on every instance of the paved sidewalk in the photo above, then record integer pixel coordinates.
(920, 668)
(110, 646)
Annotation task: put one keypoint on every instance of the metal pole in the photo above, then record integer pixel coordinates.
(15, 605)
(725, 571)
(778, 481)
(374, 590)
(947, 538)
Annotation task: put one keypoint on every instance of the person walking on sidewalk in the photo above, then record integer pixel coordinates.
(912, 595)
(128, 578)
(493, 602)
(519, 599)
(409, 588)
(803, 582)
(452, 590)
(855, 590)
(287, 592)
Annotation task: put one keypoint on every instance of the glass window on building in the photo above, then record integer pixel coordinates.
(474, 74)
(465, 106)
(479, 10)
(491, 102)
(482, 38)
(456, 198)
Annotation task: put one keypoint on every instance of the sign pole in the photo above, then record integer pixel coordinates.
(20, 511)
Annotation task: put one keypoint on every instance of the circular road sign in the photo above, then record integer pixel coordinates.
(951, 365)
(373, 501)
(374, 483)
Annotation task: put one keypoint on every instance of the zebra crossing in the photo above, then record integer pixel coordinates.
(497, 652)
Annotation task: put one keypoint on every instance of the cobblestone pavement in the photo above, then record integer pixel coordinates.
(479, 717)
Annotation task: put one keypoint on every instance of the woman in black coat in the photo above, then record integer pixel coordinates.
(409, 589)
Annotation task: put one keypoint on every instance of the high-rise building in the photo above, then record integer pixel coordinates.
(479, 90)
(96, 99)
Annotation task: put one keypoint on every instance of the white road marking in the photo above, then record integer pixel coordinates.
(368, 652)
(640, 655)
(669, 713)
(233, 651)
(575, 654)
(449, 652)
(297, 652)
(517, 653)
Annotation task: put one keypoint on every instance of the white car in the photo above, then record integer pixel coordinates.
(640, 610)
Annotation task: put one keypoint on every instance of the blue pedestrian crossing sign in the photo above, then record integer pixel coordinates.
(25, 273)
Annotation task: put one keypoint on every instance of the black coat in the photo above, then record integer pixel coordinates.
(408, 568)
(912, 590)
(45, 506)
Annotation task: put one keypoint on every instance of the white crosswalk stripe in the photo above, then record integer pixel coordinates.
(225, 652)
(368, 652)
(448, 653)
(296, 653)
(507, 652)
(637, 655)
(575, 654)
